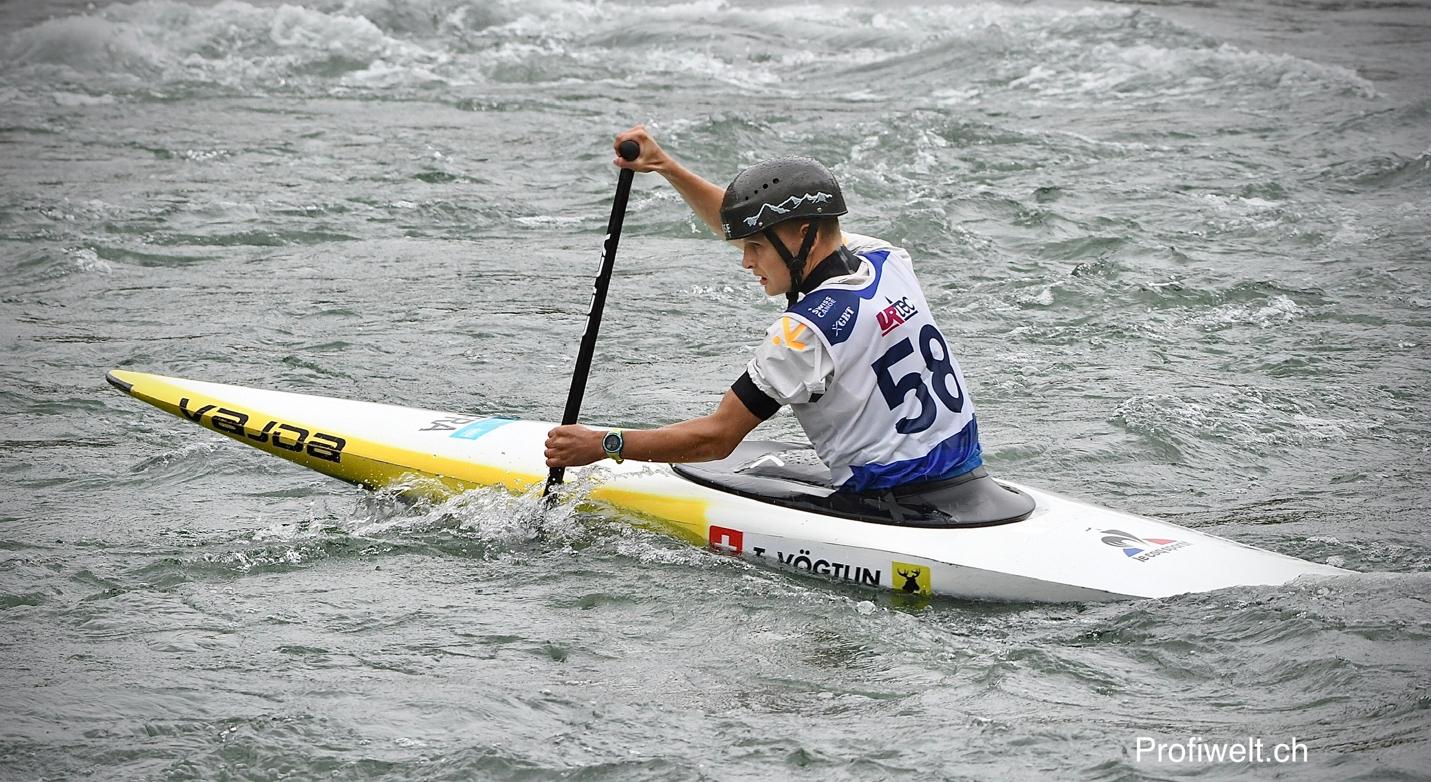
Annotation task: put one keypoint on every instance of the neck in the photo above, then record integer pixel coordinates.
(837, 262)
(822, 250)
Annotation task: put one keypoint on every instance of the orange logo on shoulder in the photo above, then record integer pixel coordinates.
(790, 337)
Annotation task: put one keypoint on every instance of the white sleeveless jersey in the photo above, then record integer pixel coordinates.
(897, 409)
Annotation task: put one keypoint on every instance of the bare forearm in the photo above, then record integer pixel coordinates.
(702, 195)
(697, 440)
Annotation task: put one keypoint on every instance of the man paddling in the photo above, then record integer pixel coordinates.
(856, 354)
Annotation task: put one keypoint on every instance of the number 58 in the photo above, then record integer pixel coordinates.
(895, 391)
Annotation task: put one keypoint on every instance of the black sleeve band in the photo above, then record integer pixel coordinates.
(755, 400)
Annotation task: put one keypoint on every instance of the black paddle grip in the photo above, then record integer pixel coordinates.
(628, 150)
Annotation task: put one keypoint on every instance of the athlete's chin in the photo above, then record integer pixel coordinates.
(771, 289)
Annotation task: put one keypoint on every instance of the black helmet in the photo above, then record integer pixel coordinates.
(777, 190)
(790, 188)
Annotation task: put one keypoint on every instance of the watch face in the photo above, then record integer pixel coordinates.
(612, 442)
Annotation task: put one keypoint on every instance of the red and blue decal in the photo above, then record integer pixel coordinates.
(894, 316)
(1141, 549)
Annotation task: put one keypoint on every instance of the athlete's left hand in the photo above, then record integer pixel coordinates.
(574, 446)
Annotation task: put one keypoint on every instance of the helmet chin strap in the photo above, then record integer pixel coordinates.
(796, 263)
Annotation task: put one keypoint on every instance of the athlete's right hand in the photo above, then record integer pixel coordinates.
(652, 157)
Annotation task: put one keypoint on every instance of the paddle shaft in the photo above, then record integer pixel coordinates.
(628, 150)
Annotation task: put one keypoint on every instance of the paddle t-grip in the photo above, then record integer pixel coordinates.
(628, 150)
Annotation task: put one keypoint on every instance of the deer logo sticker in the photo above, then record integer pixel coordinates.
(910, 579)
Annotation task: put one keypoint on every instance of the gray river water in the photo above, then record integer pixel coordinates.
(1182, 251)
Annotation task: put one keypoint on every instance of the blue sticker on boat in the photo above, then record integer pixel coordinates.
(476, 429)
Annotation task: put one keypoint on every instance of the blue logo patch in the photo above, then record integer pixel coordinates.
(834, 310)
(476, 429)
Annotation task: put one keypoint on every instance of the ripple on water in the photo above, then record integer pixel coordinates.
(1183, 265)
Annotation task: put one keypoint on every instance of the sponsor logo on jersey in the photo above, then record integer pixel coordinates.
(910, 579)
(726, 540)
(789, 336)
(843, 321)
(823, 308)
(894, 316)
(1141, 549)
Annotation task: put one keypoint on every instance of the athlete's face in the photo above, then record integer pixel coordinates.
(764, 261)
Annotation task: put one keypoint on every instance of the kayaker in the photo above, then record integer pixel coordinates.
(856, 354)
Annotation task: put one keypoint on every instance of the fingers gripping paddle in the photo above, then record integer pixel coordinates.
(629, 150)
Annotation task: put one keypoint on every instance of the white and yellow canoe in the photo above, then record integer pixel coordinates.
(1062, 551)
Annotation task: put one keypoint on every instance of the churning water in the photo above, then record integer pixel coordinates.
(1182, 251)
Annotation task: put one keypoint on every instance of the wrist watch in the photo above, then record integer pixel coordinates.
(612, 444)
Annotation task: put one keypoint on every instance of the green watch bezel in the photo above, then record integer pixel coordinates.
(613, 453)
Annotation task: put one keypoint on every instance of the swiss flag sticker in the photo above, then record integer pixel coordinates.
(727, 541)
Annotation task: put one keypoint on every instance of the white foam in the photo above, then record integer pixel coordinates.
(1245, 418)
(1050, 54)
(229, 43)
(382, 73)
(86, 260)
(1043, 298)
(1157, 69)
(1276, 310)
(76, 99)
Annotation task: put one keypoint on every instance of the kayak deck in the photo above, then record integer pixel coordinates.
(1063, 551)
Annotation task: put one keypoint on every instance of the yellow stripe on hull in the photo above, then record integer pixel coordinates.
(1062, 552)
(362, 461)
(375, 465)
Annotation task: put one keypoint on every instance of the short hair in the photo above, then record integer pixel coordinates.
(822, 225)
